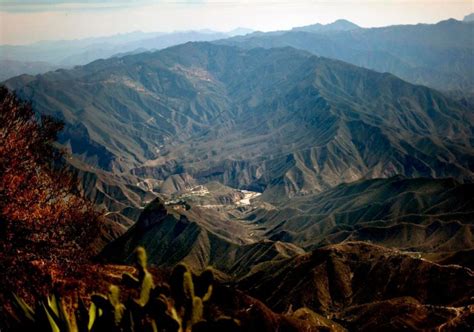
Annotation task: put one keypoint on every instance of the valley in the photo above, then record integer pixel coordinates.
(244, 131)
(325, 173)
(225, 117)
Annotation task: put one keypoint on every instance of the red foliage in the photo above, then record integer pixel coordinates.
(46, 226)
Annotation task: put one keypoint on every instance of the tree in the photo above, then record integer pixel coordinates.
(46, 226)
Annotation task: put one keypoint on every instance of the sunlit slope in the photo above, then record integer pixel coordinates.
(281, 121)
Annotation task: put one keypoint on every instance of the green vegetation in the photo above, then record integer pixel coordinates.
(178, 307)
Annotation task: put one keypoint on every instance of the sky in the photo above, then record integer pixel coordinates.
(28, 21)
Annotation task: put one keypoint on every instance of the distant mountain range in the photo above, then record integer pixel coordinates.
(437, 55)
(43, 56)
(339, 25)
(12, 68)
(469, 18)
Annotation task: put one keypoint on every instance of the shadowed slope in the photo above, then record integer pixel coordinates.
(413, 214)
(199, 237)
(368, 287)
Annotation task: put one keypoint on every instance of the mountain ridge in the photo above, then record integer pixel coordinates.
(244, 116)
(437, 55)
(43, 56)
(367, 287)
(338, 25)
(434, 223)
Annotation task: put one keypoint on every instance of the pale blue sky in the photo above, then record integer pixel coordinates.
(26, 21)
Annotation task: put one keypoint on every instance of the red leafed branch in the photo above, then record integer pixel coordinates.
(44, 222)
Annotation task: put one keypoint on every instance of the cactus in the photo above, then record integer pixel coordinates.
(190, 292)
(204, 284)
(114, 299)
(179, 307)
(177, 284)
(106, 311)
(163, 314)
(197, 311)
(144, 280)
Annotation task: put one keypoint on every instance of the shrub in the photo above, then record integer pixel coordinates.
(177, 307)
(46, 226)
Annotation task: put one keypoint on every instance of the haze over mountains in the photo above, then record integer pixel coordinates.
(339, 25)
(322, 158)
(44, 56)
(437, 55)
(469, 18)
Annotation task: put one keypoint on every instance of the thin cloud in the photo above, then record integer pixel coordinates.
(80, 5)
(70, 5)
(72, 19)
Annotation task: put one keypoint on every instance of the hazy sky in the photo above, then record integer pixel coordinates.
(26, 21)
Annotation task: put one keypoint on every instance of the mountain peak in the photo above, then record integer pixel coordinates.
(338, 25)
(343, 22)
(154, 212)
(449, 21)
(469, 18)
(240, 31)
